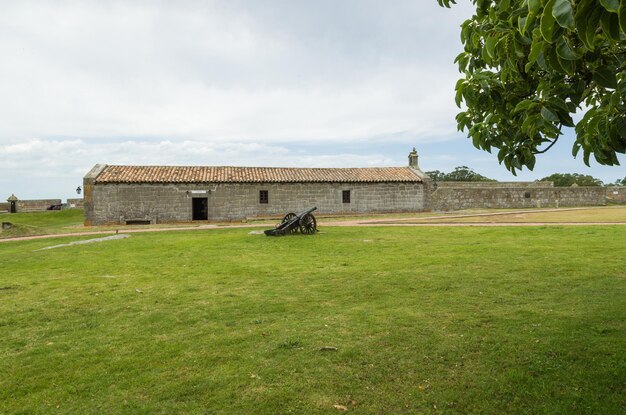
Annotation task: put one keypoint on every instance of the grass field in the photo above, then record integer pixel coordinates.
(425, 320)
(615, 214)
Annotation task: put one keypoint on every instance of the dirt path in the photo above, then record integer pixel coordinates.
(467, 224)
(355, 222)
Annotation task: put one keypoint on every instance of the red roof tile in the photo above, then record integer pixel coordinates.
(202, 174)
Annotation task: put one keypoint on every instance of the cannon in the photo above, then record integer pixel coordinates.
(303, 222)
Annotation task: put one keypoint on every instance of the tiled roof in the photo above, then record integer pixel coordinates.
(198, 174)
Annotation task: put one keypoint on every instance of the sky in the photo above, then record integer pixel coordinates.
(326, 83)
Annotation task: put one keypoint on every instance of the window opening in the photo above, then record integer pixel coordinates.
(345, 196)
(264, 196)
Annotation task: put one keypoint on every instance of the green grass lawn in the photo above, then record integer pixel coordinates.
(41, 223)
(425, 320)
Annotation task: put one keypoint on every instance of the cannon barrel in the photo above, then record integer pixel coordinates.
(306, 212)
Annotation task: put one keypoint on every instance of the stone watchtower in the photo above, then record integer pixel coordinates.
(428, 187)
(13, 203)
(413, 157)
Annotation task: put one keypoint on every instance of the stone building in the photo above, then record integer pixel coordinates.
(166, 194)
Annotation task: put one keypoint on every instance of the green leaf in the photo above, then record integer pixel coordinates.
(592, 24)
(565, 51)
(605, 77)
(566, 120)
(534, 6)
(553, 60)
(541, 61)
(490, 45)
(530, 162)
(524, 105)
(549, 115)
(586, 154)
(562, 110)
(501, 154)
(559, 104)
(564, 14)
(610, 25)
(621, 127)
(610, 5)
(521, 24)
(622, 16)
(583, 9)
(547, 22)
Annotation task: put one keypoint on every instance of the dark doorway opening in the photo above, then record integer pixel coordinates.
(13, 207)
(200, 208)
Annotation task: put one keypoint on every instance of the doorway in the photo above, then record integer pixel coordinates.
(13, 207)
(200, 208)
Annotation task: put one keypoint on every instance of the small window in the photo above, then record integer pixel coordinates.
(264, 196)
(345, 196)
(527, 195)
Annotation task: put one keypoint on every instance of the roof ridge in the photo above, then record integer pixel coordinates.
(246, 174)
(254, 167)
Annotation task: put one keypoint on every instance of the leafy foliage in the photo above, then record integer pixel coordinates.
(436, 175)
(460, 174)
(529, 65)
(568, 179)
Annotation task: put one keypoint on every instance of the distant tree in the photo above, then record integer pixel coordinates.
(624, 181)
(529, 65)
(460, 174)
(465, 174)
(436, 175)
(568, 179)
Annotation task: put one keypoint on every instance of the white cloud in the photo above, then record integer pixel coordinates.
(221, 82)
(219, 72)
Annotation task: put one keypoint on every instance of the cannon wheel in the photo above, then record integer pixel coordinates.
(308, 225)
(289, 217)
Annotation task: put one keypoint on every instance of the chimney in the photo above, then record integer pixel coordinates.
(413, 159)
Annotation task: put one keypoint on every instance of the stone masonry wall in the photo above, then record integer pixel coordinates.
(36, 205)
(616, 194)
(30, 205)
(159, 203)
(75, 203)
(487, 185)
(455, 198)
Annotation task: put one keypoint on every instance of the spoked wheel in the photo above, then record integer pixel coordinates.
(288, 218)
(308, 225)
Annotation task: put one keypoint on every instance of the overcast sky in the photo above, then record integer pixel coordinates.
(258, 83)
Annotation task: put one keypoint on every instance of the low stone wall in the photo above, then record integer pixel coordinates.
(36, 205)
(616, 194)
(489, 185)
(4, 207)
(75, 203)
(447, 197)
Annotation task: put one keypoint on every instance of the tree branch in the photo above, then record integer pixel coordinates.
(547, 148)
